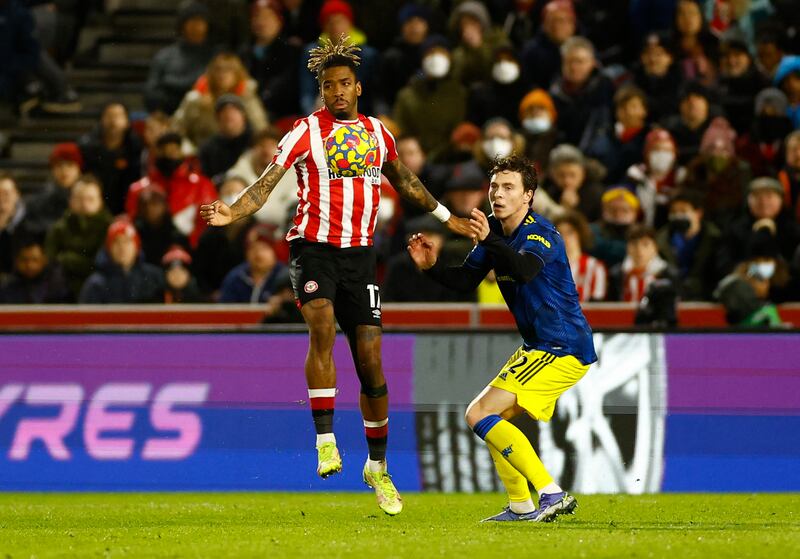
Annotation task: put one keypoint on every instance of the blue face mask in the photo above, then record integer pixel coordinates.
(761, 270)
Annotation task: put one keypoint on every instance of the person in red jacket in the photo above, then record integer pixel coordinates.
(186, 187)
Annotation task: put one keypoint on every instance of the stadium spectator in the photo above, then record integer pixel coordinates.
(500, 96)
(122, 277)
(48, 205)
(658, 76)
(739, 81)
(221, 151)
(466, 189)
(689, 244)
(765, 217)
(689, 125)
(476, 41)
(301, 21)
(75, 238)
(655, 178)
(769, 49)
(156, 125)
(228, 23)
(717, 174)
(336, 19)
(185, 186)
(498, 140)
(403, 59)
(747, 290)
(175, 68)
(541, 55)
(19, 51)
(620, 212)
(624, 142)
(630, 279)
(249, 167)
(271, 60)
(179, 284)
(196, 118)
(521, 21)
(465, 140)
(789, 175)
(582, 94)
(281, 307)
(575, 183)
(588, 273)
(154, 224)
(431, 105)
(404, 283)
(12, 217)
(697, 47)
(762, 145)
(112, 152)
(539, 119)
(432, 175)
(34, 281)
(787, 77)
(254, 280)
(220, 249)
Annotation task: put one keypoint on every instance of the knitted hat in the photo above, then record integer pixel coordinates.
(538, 98)
(176, 254)
(333, 7)
(773, 97)
(719, 137)
(122, 227)
(655, 136)
(620, 192)
(66, 152)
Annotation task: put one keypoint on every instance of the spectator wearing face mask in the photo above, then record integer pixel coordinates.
(541, 55)
(739, 81)
(589, 273)
(575, 183)
(762, 146)
(655, 179)
(658, 75)
(718, 174)
(431, 105)
(789, 176)
(473, 57)
(498, 140)
(689, 244)
(539, 119)
(179, 284)
(122, 277)
(500, 96)
(620, 212)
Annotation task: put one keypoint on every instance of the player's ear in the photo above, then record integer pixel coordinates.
(358, 89)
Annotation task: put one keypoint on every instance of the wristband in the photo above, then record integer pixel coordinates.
(441, 213)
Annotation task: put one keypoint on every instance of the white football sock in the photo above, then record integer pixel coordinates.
(325, 438)
(376, 465)
(523, 507)
(551, 487)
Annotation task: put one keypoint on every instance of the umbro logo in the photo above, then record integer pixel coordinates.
(506, 451)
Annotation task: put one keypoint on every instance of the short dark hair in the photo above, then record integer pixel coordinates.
(578, 222)
(517, 164)
(26, 240)
(627, 92)
(639, 231)
(694, 199)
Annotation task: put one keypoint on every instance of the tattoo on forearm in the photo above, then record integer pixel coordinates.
(257, 193)
(409, 186)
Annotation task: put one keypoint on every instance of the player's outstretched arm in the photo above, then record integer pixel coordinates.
(459, 278)
(411, 189)
(254, 196)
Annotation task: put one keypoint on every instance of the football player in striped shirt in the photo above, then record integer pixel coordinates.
(528, 257)
(338, 156)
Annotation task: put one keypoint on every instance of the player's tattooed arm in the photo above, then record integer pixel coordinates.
(255, 195)
(408, 185)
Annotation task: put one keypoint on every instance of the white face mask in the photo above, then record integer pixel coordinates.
(537, 124)
(505, 71)
(385, 210)
(661, 161)
(497, 147)
(761, 270)
(436, 65)
(229, 199)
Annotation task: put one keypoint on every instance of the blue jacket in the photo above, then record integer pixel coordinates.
(238, 286)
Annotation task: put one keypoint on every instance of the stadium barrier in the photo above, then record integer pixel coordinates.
(227, 411)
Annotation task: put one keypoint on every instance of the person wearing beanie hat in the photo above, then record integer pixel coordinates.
(180, 286)
(122, 277)
(655, 178)
(271, 60)
(762, 145)
(48, 205)
(541, 55)
(787, 77)
(538, 117)
(657, 74)
(476, 43)
(718, 174)
(739, 81)
(176, 67)
(501, 95)
(433, 103)
(620, 211)
(253, 281)
(403, 59)
(336, 19)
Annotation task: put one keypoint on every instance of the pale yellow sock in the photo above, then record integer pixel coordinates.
(515, 447)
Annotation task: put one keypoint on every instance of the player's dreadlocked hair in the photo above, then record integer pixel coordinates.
(334, 53)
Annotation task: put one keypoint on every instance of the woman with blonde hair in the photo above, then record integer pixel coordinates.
(195, 118)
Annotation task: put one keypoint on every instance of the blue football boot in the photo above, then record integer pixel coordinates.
(508, 515)
(552, 505)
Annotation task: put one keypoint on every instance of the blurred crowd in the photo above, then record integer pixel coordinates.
(666, 135)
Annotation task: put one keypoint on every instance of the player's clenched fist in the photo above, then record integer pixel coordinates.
(421, 251)
(479, 225)
(216, 213)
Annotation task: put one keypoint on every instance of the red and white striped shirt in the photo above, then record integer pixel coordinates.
(332, 208)
(589, 275)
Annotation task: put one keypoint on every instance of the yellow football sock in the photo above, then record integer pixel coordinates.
(515, 447)
(515, 483)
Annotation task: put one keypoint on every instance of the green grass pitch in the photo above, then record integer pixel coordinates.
(351, 525)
